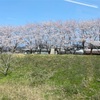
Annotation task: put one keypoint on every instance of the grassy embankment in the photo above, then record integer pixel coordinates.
(52, 77)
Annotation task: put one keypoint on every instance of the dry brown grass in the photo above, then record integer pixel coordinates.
(19, 92)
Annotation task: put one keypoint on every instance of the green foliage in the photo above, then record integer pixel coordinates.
(66, 77)
(5, 98)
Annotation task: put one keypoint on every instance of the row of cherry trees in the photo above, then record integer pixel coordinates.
(47, 34)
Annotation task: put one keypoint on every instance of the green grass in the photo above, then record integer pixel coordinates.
(52, 77)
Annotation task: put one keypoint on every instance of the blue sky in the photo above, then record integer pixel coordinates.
(20, 12)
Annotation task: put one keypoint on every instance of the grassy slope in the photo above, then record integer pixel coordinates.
(52, 77)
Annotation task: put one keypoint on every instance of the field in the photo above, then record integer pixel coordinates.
(52, 77)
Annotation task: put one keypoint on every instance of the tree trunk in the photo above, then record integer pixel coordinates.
(83, 44)
(6, 70)
(30, 51)
(91, 51)
(99, 37)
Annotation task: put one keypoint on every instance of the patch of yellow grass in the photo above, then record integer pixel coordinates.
(19, 92)
(19, 55)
